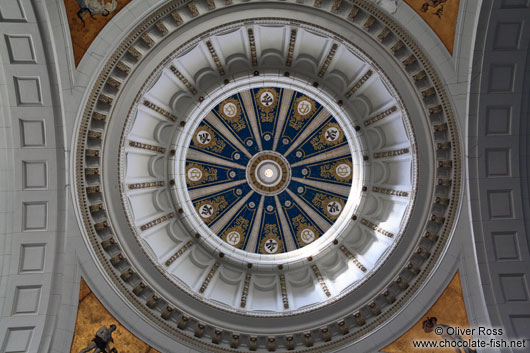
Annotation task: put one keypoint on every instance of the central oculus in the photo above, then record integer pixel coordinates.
(268, 173)
(269, 169)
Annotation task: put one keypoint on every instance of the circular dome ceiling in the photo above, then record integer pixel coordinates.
(267, 175)
(269, 169)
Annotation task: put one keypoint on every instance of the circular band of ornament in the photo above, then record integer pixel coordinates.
(286, 129)
(440, 223)
(268, 173)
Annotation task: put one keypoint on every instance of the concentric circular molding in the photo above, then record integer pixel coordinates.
(338, 317)
(309, 166)
(268, 173)
(255, 202)
(212, 140)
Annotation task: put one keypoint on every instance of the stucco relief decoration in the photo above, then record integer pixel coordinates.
(265, 195)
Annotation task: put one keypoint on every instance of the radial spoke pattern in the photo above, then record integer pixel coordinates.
(269, 170)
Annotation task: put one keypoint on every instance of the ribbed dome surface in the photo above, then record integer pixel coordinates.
(269, 170)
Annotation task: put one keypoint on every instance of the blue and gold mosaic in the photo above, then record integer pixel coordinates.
(261, 174)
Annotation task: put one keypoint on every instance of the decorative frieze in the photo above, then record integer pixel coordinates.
(179, 253)
(92, 153)
(235, 341)
(419, 75)
(444, 182)
(183, 79)
(192, 6)
(271, 344)
(199, 330)
(107, 243)
(123, 67)
(103, 98)
(359, 83)
(336, 5)
(380, 116)
(411, 59)
(445, 164)
(442, 200)
(428, 92)
(440, 127)
(135, 53)
(353, 13)
(369, 22)
(402, 283)
(209, 277)
(290, 343)
(321, 280)
(246, 287)
(352, 258)
(376, 228)
(397, 46)
(308, 339)
(359, 319)
(161, 26)
(383, 34)
(252, 43)
(375, 309)
(253, 343)
(423, 253)
(101, 226)
(113, 82)
(435, 110)
(413, 268)
(437, 219)
(157, 221)
(215, 58)
(183, 322)
(283, 288)
(139, 288)
(392, 153)
(389, 297)
(290, 50)
(443, 145)
(159, 110)
(93, 189)
(177, 18)
(390, 192)
(147, 39)
(216, 337)
(116, 259)
(145, 185)
(91, 171)
(152, 301)
(127, 274)
(431, 236)
(328, 60)
(96, 208)
(166, 314)
(95, 135)
(343, 327)
(147, 147)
